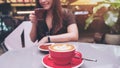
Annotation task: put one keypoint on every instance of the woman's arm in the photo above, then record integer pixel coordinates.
(33, 20)
(71, 35)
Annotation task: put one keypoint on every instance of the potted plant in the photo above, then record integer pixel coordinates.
(111, 18)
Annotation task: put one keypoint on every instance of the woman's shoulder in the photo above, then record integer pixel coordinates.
(68, 16)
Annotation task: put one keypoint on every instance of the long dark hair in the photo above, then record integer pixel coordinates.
(57, 14)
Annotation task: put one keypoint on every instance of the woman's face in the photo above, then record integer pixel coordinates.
(46, 4)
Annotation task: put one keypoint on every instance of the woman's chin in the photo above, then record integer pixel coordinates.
(46, 8)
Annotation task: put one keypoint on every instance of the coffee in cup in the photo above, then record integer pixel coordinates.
(62, 54)
(39, 13)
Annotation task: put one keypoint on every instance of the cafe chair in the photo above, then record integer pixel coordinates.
(19, 38)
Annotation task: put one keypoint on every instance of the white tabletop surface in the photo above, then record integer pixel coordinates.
(108, 56)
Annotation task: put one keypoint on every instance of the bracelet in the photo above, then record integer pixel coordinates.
(49, 39)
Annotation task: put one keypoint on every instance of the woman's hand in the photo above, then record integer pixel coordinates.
(33, 18)
(43, 40)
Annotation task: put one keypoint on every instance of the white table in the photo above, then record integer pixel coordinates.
(108, 56)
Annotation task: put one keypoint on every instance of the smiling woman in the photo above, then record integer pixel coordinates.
(58, 24)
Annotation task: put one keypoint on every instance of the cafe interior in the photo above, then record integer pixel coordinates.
(98, 48)
(14, 12)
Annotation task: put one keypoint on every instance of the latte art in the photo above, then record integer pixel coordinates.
(62, 47)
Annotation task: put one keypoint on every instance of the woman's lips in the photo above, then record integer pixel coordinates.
(45, 4)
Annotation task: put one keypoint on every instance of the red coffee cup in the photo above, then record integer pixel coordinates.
(62, 54)
(39, 13)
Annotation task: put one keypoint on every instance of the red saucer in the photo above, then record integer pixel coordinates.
(47, 62)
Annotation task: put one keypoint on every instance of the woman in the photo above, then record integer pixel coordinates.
(58, 26)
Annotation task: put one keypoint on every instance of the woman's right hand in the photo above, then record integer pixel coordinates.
(33, 18)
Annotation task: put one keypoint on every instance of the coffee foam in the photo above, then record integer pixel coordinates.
(62, 47)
